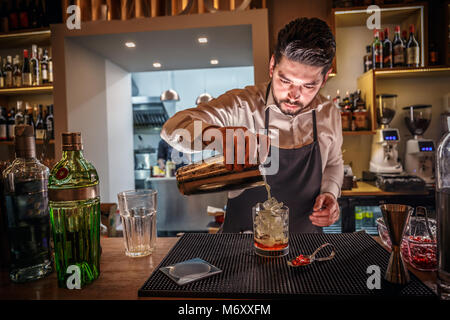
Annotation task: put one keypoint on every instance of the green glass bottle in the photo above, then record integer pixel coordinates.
(74, 203)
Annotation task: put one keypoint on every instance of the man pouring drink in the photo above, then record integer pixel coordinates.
(307, 128)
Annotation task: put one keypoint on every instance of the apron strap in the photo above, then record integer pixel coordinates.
(314, 125)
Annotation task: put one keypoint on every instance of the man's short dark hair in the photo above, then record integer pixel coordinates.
(308, 41)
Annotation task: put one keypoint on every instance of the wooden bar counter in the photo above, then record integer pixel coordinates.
(120, 276)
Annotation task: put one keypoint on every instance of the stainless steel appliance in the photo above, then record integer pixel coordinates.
(420, 152)
(384, 157)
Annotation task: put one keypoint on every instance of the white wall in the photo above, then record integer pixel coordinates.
(90, 110)
(120, 130)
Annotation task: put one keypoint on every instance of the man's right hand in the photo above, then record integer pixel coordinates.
(240, 147)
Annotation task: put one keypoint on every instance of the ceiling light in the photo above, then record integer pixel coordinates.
(157, 65)
(170, 95)
(203, 40)
(214, 61)
(130, 44)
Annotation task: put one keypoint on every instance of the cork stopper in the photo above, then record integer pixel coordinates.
(71, 141)
(24, 141)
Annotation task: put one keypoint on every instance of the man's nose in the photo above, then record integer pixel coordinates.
(294, 92)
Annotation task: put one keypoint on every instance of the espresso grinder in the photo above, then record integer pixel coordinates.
(384, 156)
(420, 152)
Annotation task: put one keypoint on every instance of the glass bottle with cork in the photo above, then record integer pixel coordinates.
(75, 214)
(26, 199)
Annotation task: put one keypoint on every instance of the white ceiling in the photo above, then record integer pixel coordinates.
(175, 49)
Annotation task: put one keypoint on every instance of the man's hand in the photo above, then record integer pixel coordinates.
(161, 164)
(325, 210)
(241, 146)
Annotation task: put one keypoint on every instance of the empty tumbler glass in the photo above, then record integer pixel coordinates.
(138, 214)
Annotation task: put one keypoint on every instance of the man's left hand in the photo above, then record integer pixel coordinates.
(325, 210)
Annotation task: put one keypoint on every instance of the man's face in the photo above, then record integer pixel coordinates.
(294, 84)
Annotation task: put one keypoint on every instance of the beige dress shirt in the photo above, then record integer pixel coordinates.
(246, 107)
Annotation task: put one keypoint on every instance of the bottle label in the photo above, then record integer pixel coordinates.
(413, 55)
(11, 131)
(75, 194)
(377, 54)
(40, 134)
(2, 82)
(26, 81)
(399, 57)
(17, 81)
(62, 173)
(50, 71)
(44, 74)
(49, 125)
(9, 79)
(3, 132)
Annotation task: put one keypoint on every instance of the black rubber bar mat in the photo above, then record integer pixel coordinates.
(249, 276)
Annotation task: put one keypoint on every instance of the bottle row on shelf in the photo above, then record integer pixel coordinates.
(40, 118)
(28, 14)
(400, 52)
(354, 115)
(36, 70)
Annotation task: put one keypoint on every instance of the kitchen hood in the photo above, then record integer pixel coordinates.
(148, 111)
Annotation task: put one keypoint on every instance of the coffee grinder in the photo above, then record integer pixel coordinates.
(420, 152)
(384, 156)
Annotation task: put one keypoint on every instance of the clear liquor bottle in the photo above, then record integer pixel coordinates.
(443, 215)
(75, 214)
(26, 199)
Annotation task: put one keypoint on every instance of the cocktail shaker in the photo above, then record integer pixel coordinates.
(211, 175)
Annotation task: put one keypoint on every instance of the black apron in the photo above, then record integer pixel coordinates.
(297, 184)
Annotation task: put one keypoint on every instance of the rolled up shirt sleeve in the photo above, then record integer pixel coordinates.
(183, 131)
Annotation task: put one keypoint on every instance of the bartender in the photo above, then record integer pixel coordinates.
(308, 126)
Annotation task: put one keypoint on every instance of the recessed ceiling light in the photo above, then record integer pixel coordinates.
(156, 64)
(130, 44)
(214, 61)
(203, 40)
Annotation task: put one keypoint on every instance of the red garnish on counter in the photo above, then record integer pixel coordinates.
(301, 260)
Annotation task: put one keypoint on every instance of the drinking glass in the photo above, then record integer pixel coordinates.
(271, 230)
(138, 214)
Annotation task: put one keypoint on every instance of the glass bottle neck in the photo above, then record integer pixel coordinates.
(72, 154)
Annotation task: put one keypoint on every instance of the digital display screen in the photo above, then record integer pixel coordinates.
(425, 146)
(390, 135)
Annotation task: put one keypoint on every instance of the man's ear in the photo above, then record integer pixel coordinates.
(271, 66)
(325, 78)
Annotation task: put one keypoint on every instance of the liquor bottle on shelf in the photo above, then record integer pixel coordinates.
(34, 63)
(11, 123)
(2, 73)
(4, 23)
(19, 117)
(398, 48)
(39, 57)
(368, 59)
(44, 67)
(49, 123)
(433, 55)
(28, 116)
(74, 196)
(33, 15)
(13, 17)
(50, 66)
(443, 215)
(17, 74)
(377, 51)
(387, 50)
(26, 193)
(412, 50)
(3, 124)
(9, 72)
(23, 15)
(26, 72)
(40, 125)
